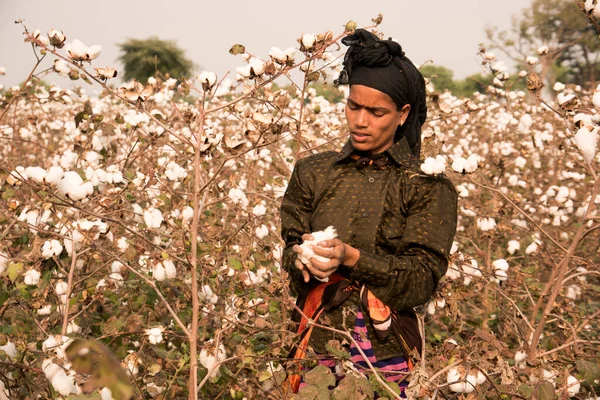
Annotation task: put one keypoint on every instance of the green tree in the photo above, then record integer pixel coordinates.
(441, 77)
(143, 58)
(561, 26)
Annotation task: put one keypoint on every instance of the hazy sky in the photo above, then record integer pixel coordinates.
(445, 31)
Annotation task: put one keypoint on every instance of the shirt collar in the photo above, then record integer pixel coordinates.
(399, 152)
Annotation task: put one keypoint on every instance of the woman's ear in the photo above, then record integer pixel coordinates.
(404, 111)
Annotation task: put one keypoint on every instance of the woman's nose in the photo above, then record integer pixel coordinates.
(362, 119)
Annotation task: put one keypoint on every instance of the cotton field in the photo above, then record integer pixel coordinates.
(145, 218)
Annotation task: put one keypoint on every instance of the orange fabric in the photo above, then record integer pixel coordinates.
(312, 309)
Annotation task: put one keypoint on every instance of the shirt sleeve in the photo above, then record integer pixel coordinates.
(409, 277)
(296, 209)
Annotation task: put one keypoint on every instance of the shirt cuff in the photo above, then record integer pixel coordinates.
(371, 269)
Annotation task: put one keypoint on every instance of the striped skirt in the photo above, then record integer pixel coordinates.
(393, 369)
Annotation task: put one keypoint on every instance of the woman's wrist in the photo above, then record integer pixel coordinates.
(352, 255)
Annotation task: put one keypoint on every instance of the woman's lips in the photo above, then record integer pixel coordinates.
(359, 137)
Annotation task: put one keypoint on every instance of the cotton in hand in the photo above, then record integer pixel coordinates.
(306, 246)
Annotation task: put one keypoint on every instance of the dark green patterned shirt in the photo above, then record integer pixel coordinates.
(402, 221)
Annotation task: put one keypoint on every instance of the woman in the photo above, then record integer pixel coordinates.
(395, 225)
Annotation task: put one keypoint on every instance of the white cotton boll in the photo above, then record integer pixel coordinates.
(10, 350)
(531, 60)
(116, 266)
(72, 327)
(319, 236)
(586, 141)
(308, 40)
(159, 273)
(277, 55)
(542, 51)
(208, 78)
(471, 269)
(471, 164)
(452, 272)
(153, 218)
(532, 248)
(70, 180)
(258, 66)
(486, 224)
(453, 379)
(243, 72)
(54, 175)
(94, 51)
(45, 310)
(61, 288)
(207, 294)
(259, 210)
(434, 166)
(3, 262)
(596, 99)
(170, 269)
(81, 192)
(116, 278)
(573, 386)
(62, 383)
(480, 378)
(106, 394)
(513, 245)
(36, 173)
(573, 292)
(175, 172)
(562, 98)
(500, 264)
(155, 334)
(187, 214)
(209, 358)
(31, 277)
(558, 87)
(501, 275)
(51, 248)
(458, 165)
(261, 231)
(593, 7)
(520, 356)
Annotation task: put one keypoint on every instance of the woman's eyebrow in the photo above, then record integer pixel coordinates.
(370, 109)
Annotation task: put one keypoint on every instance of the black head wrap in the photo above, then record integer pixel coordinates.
(382, 65)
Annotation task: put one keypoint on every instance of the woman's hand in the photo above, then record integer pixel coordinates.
(338, 253)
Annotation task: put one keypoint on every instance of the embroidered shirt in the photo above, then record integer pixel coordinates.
(402, 221)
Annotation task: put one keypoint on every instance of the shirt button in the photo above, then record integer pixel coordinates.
(371, 180)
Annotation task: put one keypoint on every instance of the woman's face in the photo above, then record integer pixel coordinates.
(372, 119)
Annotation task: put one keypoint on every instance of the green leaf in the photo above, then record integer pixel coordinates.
(353, 388)
(14, 271)
(104, 368)
(320, 376)
(92, 396)
(544, 390)
(588, 371)
(525, 391)
(312, 392)
(237, 49)
(8, 193)
(335, 350)
(235, 264)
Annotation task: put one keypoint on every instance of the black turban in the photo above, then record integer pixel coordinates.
(382, 65)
